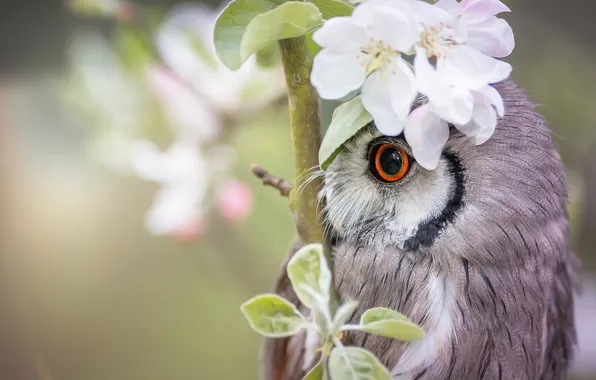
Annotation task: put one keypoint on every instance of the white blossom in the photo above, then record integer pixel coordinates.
(459, 36)
(479, 26)
(462, 40)
(197, 94)
(365, 51)
(473, 112)
(191, 118)
(185, 42)
(183, 173)
(452, 36)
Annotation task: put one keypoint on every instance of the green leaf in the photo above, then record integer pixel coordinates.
(329, 9)
(272, 316)
(269, 56)
(333, 8)
(348, 119)
(389, 323)
(310, 276)
(231, 25)
(343, 314)
(316, 373)
(247, 26)
(313, 47)
(291, 19)
(355, 363)
(378, 314)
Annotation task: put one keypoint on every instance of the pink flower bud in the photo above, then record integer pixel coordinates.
(190, 232)
(235, 200)
(127, 12)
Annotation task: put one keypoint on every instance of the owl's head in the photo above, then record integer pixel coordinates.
(376, 192)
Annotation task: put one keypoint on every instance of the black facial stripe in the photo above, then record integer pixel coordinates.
(429, 231)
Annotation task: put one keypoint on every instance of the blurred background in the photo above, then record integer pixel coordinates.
(130, 227)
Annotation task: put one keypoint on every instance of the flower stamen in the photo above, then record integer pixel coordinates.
(377, 56)
(437, 42)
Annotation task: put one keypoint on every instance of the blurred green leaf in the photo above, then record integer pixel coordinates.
(389, 323)
(348, 119)
(92, 8)
(355, 363)
(132, 49)
(272, 316)
(316, 373)
(154, 16)
(333, 8)
(291, 19)
(231, 25)
(310, 276)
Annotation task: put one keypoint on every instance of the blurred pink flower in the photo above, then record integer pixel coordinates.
(183, 173)
(235, 200)
(190, 231)
(185, 43)
(191, 117)
(127, 12)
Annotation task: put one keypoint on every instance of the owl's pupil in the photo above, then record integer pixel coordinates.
(390, 161)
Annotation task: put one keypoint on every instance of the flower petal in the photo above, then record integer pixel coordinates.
(147, 161)
(453, 103)
(469, 68)
(486, 118)
(458, 109)
(493, 37)
(451, 6)
(380, 18)
(433, 15)
(336, 75)
(495, 99)
(402, 88)
(376, 98)
(426, 134)
(483, 124)
(480, 10)
(428, 80)
(173, 207)
(341, 35)
(190, 115)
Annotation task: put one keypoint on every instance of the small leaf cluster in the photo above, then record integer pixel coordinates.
(247, 27)
(273, 316)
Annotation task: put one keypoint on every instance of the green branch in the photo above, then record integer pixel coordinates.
(304, 105)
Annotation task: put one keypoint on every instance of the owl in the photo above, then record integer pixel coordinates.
(476, 252)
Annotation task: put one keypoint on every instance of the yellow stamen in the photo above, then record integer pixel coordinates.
(378, 56)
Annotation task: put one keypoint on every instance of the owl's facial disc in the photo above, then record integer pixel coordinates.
(376, 193)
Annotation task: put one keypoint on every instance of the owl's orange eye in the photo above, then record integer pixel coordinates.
(389, 162)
